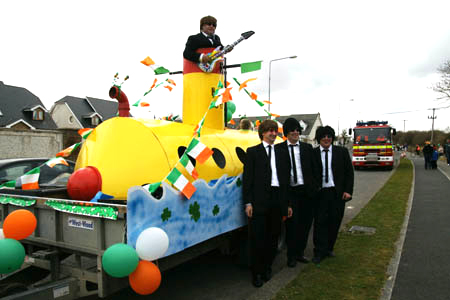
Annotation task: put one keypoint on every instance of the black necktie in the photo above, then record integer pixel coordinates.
(270, 155)
(294, 167)
(326, 164)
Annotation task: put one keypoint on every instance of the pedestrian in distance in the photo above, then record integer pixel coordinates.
(427, 153)
(337, 187)
(447, 151)
(304, 186)
(434, 158)
(265, 181)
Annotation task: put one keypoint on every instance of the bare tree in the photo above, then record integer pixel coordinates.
(443, 86)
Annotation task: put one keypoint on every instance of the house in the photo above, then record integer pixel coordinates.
(309, 123)
(21, 109)
(77, 113)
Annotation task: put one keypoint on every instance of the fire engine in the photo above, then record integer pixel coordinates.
(372, 144)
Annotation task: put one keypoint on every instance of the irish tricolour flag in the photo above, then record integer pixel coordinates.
(156, 68)
(55, 161)
(66, 152)
(188, 166)
(30, 179)
(198, 151)
(181, 183)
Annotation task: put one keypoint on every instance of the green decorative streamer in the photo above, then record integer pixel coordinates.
(16, 201)
(93, 211)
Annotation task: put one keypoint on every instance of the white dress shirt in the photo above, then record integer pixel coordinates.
(330, 182)
(298, 164)
(273, 166)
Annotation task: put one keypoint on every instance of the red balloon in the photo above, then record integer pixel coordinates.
(19, 224)
(146, 278)
(84, 183)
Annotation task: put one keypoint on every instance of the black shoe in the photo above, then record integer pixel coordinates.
(292, 262)
(267, 274)
(257, 281)
(302, 259)
(317, 259)
(331, 254)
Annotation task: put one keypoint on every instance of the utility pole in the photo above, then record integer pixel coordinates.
(433, 117)
(404, 125)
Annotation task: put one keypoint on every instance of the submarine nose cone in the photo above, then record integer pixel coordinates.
(84, 183)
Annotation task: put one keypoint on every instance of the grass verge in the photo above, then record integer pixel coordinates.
(359, 269)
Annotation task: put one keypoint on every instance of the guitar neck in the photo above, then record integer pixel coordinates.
(228, 48)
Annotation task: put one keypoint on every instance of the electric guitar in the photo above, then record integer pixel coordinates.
(217, 55)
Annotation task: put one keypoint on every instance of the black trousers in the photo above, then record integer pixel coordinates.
(328, 215)
(264, 230)
(299, 225)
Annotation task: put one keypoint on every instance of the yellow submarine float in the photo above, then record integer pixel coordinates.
(128, 151)
(123, 154)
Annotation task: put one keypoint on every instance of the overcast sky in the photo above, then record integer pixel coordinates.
(359, 59)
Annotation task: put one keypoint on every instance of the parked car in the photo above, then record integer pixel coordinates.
(11, 169)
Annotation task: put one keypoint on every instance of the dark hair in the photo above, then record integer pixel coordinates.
(245, 124)
(265, 126)
(290, 125)
(207, 20)
(322, 131)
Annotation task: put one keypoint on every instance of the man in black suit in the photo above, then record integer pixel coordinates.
(304, 185)
(203, 40)
(265, 182)
(337, 188)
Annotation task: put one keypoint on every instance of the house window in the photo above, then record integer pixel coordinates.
(70, 119)
(95, 120)
(38, 115)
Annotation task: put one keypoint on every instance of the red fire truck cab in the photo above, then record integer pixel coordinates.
(372, 144)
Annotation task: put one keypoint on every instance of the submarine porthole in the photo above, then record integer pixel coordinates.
(158, 193)
(219, 158)
(181, 150)
(241, 154)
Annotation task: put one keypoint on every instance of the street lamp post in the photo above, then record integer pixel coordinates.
(270, 70)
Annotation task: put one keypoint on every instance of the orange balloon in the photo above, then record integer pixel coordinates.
(146, 278)
(19, 224)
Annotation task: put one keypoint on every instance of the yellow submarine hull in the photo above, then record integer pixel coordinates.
(132, 152)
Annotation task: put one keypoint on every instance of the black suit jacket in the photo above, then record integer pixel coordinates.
(198, 41)
(342, 168)
(310, 168)
(257, 179)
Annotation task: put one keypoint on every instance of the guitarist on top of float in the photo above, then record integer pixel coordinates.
(205, 39)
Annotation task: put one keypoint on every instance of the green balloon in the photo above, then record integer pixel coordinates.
(12, 255)
(120, 260)
(231, 107)
(229, 115)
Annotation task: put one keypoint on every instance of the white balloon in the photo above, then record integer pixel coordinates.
(2, 236)
(152, 243)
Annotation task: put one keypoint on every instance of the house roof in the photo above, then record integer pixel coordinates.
(17, 104)
(308, 119)
(86, 108)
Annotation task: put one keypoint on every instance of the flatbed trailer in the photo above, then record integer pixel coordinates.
(68, 248)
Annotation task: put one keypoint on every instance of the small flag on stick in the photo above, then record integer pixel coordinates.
(181, 183)
(250, 67)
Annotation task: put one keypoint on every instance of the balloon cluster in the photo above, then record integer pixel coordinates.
(17, 225)
(231, 109)
(121, 260)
